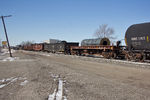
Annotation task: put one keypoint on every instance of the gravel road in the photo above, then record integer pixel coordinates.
(37, 76)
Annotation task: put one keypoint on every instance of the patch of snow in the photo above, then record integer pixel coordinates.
(27, 60)
(44, 54)
(65, 98)
(5, 51)
(57, 95)
(24, 83)
(13, 51)
(60, 90)
(22, 78)
(52, 96)
(16, 59)
(14, 79)
(54, 76)
(10, 59)
(2, 54)
(3, 80)
(11, 80)
(129, 62)
(1, 86)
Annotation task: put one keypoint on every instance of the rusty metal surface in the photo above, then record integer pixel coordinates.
(101, 47)
(38, 47)
(28, 47)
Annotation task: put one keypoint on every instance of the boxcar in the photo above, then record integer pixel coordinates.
(28, 47)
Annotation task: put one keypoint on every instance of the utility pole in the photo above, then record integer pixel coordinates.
(6, 32)
(0, 45)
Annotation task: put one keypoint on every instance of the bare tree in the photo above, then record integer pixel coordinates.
(26, 43)
(104, 31)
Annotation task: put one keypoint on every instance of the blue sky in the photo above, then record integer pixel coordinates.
(71, 20)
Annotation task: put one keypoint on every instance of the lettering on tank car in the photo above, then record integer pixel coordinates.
(138, 38)
(136, 43)
(134, 38)
(141, 38)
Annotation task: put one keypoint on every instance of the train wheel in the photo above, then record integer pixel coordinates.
(78, 53)
(143, 58)
(127, 57)
(106, 55)
(114, 55)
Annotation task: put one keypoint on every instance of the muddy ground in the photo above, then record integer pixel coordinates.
(35, 76)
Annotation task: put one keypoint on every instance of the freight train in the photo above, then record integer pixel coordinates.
(137, 39)
(61, 47)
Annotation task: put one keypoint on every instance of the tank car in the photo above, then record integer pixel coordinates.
(137, 39)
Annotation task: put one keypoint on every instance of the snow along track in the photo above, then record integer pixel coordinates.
(58, 92)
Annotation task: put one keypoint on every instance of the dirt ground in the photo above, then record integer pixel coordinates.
(35, 75)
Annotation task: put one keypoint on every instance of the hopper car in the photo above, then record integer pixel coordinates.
(62, 47)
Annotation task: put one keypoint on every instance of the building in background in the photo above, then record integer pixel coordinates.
(52, 41)
(46, 41)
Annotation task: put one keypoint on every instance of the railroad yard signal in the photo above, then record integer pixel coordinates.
(2, 17)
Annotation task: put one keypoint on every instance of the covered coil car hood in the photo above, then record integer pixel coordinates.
(97, 41)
